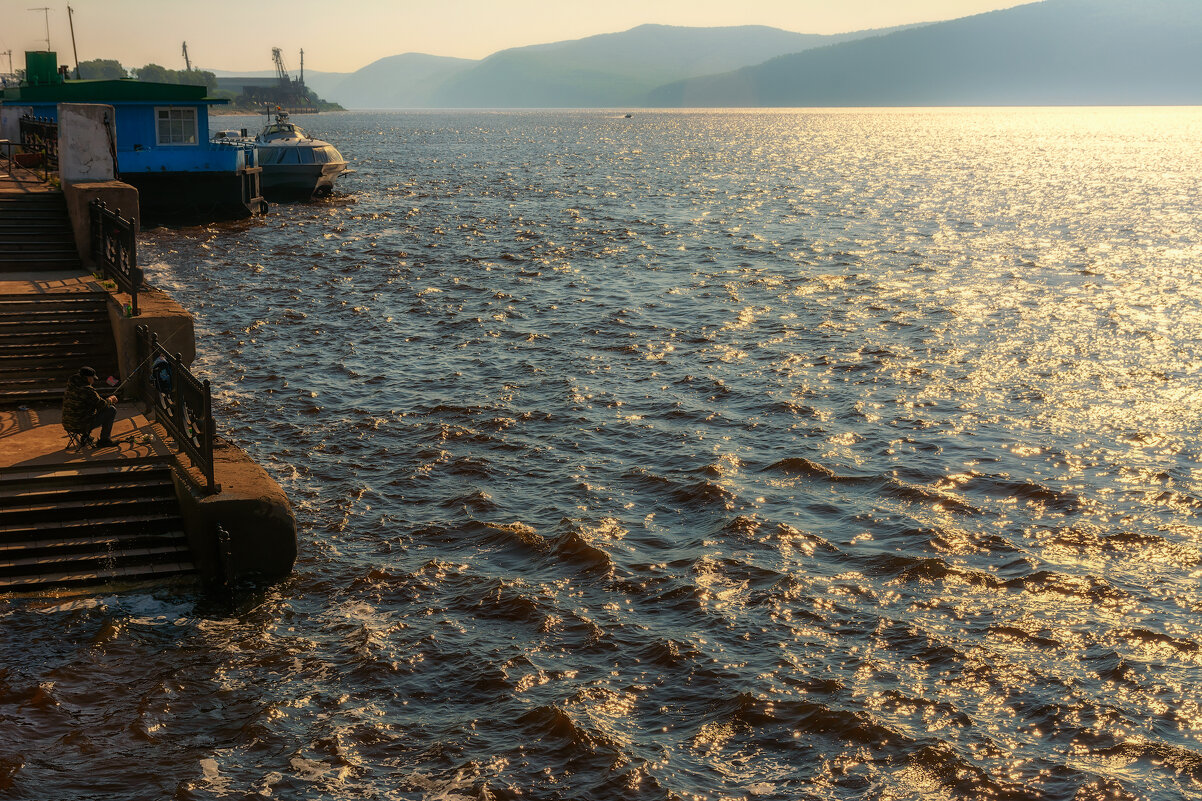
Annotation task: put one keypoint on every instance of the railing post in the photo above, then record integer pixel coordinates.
(206, 446)
(135, 272)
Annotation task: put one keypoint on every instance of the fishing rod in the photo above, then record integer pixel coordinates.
(115, 388)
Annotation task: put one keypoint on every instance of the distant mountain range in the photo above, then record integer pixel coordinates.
(613, 69)
(1060, 52)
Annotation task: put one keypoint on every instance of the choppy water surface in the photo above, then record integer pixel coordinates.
(688, 456)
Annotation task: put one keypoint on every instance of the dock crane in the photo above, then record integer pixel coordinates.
(292, 89)
(187, 61)
(281, 72)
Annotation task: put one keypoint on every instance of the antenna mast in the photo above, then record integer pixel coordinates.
(187, 62)
(71, 20)
(46, 12)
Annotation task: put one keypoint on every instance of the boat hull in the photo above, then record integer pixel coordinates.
(300, 181)
(185, 197)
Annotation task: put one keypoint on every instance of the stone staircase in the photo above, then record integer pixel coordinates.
(90, 523)
(46, 338)
(35, 233)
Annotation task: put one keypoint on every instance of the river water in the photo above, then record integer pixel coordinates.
(713, 455)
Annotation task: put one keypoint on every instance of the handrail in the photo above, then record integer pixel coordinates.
(115, 248)
(6, 145)
(40, 134)
(184, 407)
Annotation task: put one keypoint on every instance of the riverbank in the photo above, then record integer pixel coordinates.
(243, 530)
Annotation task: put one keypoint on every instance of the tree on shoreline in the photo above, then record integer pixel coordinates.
(99, 69)
(110, 69)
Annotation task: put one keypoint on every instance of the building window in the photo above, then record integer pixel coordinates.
(176, 126)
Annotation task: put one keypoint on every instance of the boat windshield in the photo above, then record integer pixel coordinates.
(282, 127)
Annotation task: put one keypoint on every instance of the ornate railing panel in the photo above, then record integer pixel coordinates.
(182, 404)
(115, 248)
(40, 135)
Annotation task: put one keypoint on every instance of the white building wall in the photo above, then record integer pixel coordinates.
(10, 121)
(84, 152)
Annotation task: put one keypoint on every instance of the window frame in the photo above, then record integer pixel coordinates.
(160, 129)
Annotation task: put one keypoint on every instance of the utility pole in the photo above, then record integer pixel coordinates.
(46, 12)
(71, 20)
(187, 62)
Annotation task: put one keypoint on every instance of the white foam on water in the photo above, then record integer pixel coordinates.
(72, 605)
(146, 610)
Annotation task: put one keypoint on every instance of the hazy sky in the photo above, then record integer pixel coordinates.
(344, 35)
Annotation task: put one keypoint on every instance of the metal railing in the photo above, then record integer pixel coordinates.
(40, 135)
(184, 406)
(7, 151)
(115, 248)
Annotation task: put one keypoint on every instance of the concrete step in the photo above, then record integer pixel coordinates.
(122, 489)
(93, 543)
(11, 237)
(90, 524)
(15, 210)
(15, 257)
(12, 564)
(147, 525)
(47, 375)
(10, 371)
(36, 245)
(35, 334)
(50, 319)
(36, 227)
(81, 510)
(39, 380)
(33, 199)
(108, 575)
(52, 300)
(55, 321)
(66, 353)
(11, 221)
(12, 309)
(11, 207)
(41, 397)
(135, 467)
(40, 266)
(55, 345)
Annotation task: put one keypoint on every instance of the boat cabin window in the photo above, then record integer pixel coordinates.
(175, 126)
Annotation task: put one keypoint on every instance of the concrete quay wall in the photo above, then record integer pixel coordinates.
(248, 529)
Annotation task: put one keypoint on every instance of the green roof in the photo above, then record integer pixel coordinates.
(110, 91)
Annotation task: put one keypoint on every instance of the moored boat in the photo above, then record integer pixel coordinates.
(157, 135)
(294, 164)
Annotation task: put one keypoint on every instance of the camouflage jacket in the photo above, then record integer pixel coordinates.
(80, 403)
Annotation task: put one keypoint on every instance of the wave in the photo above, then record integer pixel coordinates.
(571, 546)
(691, 492)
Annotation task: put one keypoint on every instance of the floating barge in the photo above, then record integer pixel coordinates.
(159, 139)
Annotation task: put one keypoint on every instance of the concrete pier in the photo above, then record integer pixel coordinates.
(59, 521)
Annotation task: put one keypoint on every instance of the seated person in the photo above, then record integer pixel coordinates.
(84, 408)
